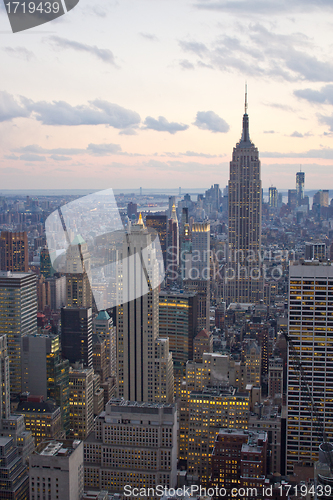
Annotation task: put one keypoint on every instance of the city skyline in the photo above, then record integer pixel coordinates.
(133, 91)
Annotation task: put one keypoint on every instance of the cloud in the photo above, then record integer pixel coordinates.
(258, 52)
(255, 7)
(128, 131)
(269, 131)
(200, 155)
(149, 36)
(10, 108)
(185, 64)
(323, 96)
(11, 157)
(32, 157)
(60, 158)
(103, 149)
(326, 120)
(296, 134)
(34, 148)
(97, 112)
(208, 120)
(104, 55)
(324, 153)
(19, 52)
(162, 125)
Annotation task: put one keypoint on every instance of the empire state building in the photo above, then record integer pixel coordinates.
(243, 274)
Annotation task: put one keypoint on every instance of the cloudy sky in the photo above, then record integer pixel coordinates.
(129, 93)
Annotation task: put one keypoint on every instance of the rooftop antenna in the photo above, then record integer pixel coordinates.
(246, 98)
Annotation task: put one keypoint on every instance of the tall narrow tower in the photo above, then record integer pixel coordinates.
(243, 276)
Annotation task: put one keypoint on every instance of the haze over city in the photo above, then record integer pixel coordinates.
(141, 93)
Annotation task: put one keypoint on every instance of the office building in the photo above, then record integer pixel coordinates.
(300, 179)
(56, 471)
(273, 197)
(252, 362)
(310, 329)
(18, 318)
(4, 380)
(76, 334)
(275, 377)
(321, 198)
(137, 316)
(164, 377)
(315, 251)
(243, 278)
(46, 269)
(203, 342)
(42, 419)
(132, 210)
(239, 461)
(210, 410)
(81, 401)
(14, 252)
(178, 322)
(14, 484)
(160, 224)
(133, 443)
(292, 198)
(78, 288)
(172, 255)
(57, 292)
(202, 289)
(45, 373)
(103, 327)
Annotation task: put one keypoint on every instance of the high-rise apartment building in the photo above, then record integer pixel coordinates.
(76, 334)
(243, 277)
(133, 444)
(310, 329)
(137, 318)
(14, 253)
(18, 317)
(56, 471)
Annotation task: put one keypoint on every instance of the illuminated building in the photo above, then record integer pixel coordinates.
(315, 251)
(252, 361)
(137, 317)
(46, 268)
(14, 254)
(178, 322)
(164, 378)
(100, 363)
(78, 288)
(311, 331)
(239, 461)
(132, 444)
(172, 256)
(273, 197)
(14, 482)
(45, 373)
(81, 401)
(41, 418)
(203, 342)
(4, 380)
(160, 224)
(243, 278)
(18, 317)
(209, 411)
(56, 471)
(76, 334)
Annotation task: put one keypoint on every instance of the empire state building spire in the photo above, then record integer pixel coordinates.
(245, 141)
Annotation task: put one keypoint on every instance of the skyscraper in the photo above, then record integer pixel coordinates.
(300, 178)
(14, 254)
(137, 318)
(76, 334)
(160, 224)
(273, 197)
(311, 331)
(77, 268)
(244, 282)
(18, 317)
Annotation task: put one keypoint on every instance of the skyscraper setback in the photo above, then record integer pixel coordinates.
(243, 277)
